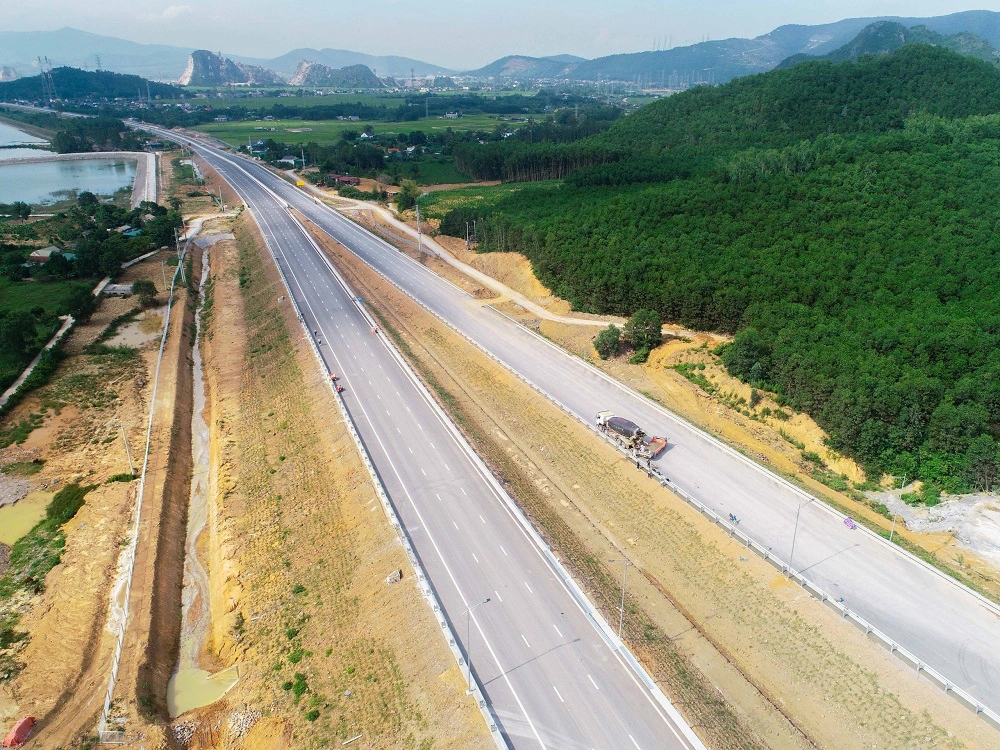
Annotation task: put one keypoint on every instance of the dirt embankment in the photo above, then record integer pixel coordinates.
(298, 550)
(748, 658)
(68, 649)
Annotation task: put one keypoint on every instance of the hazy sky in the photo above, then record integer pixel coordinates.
(453, 33)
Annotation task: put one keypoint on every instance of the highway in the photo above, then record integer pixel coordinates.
(552, 677)
(947, 626)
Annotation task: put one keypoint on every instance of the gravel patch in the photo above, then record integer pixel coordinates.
(12, 489)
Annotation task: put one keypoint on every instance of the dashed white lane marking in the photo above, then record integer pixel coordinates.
(454, 524)
(592, 682)
(474, 557)
(503, 550)
(482, 519)
(557, 693)
(446, 466)
(411, 450)
(557, 630)
(463, 491)
(634, 742)
(498, 596)
(423, 472)
(525, 641)
(528, 587)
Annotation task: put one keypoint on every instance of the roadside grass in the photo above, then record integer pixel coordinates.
(391, 100)
(671, 666)
(435, 171)
(325, 132)
(439, 202)
(23, 468)
(358, 683)
(36, 553)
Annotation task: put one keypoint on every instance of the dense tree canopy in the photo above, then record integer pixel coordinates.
(860, 271)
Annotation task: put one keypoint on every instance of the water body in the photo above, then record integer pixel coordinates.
(45, 183)
(18, 519)
(191, 686)
(11, 136)
(51, 182)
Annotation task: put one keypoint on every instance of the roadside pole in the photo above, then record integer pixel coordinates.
(621, 609)
(468, 646)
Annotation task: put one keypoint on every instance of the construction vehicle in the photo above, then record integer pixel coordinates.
(630, 436)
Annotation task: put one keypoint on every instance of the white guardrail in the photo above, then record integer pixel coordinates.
(116, 736)
(390, 510)
(824, 597)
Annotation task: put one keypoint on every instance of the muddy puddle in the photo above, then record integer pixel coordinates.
(140, 332)
(191, 686)
(18, 519)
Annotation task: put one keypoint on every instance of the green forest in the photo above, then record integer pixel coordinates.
(840, 219)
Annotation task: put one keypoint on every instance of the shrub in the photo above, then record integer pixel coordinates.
(66, 503)
(145, 290)
(639, 356)
(608, 341)
(312, 715)
(644, 330)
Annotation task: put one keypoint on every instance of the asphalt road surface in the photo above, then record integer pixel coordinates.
(947, 626)
(551, 677)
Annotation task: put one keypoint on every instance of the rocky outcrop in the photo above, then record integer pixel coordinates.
(352, 77)
(206, 68)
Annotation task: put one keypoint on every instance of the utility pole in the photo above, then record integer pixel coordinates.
(420, 241)
(468, 636)
(621, 609)
(893, 529)
(791, 556)
(180, 259)
(128, 453)
(163, 271)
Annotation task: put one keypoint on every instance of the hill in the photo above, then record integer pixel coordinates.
(352, 77)
(71, 83)
(80, 49)
(840, 221)
(161, 62)
(384, 65)
(816, 97)
(206, 68)
(883, 37)
(718, 61)
(523, 67)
